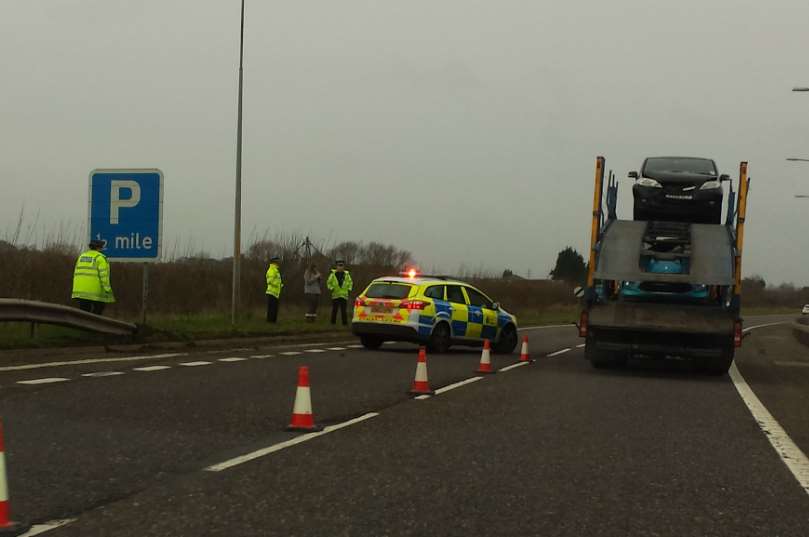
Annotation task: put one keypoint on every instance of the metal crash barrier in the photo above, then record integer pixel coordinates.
(31, 311)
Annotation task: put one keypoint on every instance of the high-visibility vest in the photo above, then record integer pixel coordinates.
(337, 290)
(274, 283)
(91, 278)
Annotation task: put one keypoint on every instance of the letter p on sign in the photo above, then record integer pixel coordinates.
(116, 203)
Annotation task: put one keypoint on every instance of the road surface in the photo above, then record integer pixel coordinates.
(127, 447)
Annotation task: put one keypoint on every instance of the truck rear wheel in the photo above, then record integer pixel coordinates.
(719, 365)
(601, 359)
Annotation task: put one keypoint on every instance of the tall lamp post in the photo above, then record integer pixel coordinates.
(237, 225)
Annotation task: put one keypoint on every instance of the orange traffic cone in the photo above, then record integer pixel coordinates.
(486, 359)
(7, 527)
(421, 385)
(302, 417)
(524, 357)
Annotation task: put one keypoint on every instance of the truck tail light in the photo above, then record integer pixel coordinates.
(583, 319)
(738, 334)
(413, 304)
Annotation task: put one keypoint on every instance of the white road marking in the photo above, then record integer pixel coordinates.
(289, 443)
(792, 364)
(49, 380)
(152, 368)
(512, 366)
(92, 361)
(557, 353)
(336, 349)
(571, 325)
(103, 374)
(581, 346)
(291, 353)
(232, 359)
(195, 364)
(763, 326)
(439, 391)
(422, 396)
(262, 356)
(39, 529)
(354, 346)
(790, 453)
(315, 350)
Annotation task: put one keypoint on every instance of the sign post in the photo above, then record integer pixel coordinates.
(126, 211)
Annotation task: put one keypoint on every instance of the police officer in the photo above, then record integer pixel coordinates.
(274, 285)
(91, 279)
(340, 284)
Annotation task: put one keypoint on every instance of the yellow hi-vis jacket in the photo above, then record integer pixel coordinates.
(337, 290)
(91, 278)
(274, 283)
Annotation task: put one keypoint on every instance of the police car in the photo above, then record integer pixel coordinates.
(432, 310)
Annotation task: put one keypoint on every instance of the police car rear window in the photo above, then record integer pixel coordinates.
(388, 290)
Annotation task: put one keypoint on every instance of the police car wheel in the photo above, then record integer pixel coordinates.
(371, 342)
(508, 341)
(440, 339)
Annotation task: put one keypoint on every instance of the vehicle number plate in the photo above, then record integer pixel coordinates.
(380, 308)
(679, 197)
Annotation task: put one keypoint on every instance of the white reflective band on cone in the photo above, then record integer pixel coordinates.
(524, 349)
(303, 401)
(485, 358)
(3, 486)
(421, 372)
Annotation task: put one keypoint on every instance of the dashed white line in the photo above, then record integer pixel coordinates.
(789, 452)
(512, 366)
(39, 529)
(103, 374)
(335, 348)
(354, 346)
(92, 361)
(232, 359)
(291, 353)
(195, 364)
(439, 391)
(283, 445)
(152, 368)
(49, 380)
(581, 346)
(422, 397)
(788, 363)
(315, 350)
(557, 353)
(262, 356)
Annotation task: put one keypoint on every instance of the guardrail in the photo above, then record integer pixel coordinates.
(31, 311)
(801, 330)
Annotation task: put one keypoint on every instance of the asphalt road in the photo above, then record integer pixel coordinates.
(553, 448)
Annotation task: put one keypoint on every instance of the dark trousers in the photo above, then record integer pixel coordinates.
(341, 304)
(272, 309)
(91, 306)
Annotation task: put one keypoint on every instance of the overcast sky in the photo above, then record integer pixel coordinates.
(462, 130)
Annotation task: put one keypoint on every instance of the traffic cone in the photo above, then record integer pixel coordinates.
(7, 527)
(524, 357)
(302, 417)
(421, 385)
(486, 359)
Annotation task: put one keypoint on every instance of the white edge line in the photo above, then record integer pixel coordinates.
(790, 453)
(763, 325)
(439, 391)
(422, 397)
(513, 366)
(291, 353)
(315, 350)
(150, 368)
(195, 364)
(39, 529)
(92, 361)
(571, 325)
(581, 346)
(557, 353)
(289, 443)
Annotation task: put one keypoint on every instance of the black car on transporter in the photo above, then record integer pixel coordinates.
(680, 189)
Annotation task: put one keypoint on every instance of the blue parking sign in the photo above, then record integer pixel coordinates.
(126, 211)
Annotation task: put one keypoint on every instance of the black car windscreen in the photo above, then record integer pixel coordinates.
(697, 166)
